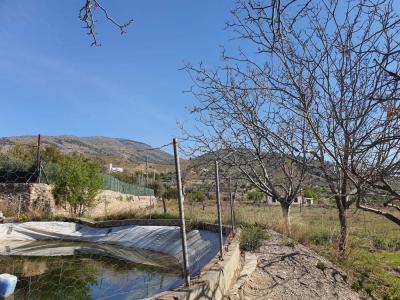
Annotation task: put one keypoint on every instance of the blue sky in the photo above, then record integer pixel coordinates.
(52, 82)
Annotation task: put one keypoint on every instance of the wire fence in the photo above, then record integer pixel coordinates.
(27, 171)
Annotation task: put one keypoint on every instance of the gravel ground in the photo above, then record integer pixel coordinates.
(285, 272)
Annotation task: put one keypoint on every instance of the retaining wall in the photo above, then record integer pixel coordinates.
(37, 199)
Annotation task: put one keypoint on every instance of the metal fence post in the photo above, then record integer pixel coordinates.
(232, 206)
(181, 214)
(221, 241)
(38, 159)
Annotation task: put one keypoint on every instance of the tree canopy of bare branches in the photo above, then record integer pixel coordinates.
(317, 85)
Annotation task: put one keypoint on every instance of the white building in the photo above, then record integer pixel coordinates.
(300, 200)
(115, 169)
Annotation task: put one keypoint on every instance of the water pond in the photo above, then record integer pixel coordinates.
(74, 270)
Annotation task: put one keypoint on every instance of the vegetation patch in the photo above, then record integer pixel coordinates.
(386, 243)
(321, 265)
(252, 237)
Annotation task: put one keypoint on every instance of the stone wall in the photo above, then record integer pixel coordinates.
(26, 198)
(37, 199)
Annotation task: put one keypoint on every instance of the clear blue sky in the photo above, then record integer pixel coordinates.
(52, 82)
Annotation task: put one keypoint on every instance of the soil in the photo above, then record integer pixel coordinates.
(291, 271)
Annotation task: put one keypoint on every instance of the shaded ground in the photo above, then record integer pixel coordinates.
(286, 270)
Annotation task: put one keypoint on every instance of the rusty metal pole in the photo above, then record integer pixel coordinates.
(186, 272)
(221, 241)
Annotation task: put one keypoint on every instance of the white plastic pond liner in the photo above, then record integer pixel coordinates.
(202, 245)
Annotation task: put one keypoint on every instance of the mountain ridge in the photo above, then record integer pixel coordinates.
(97, 146)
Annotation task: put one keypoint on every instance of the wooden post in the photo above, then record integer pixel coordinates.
(186, 272)
(221, 241)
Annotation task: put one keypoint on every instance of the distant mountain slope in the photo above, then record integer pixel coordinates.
(102, 147)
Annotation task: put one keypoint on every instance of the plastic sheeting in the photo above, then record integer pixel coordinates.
(202, 245)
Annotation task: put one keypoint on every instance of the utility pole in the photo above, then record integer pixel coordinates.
(186, 272)
(221, 241)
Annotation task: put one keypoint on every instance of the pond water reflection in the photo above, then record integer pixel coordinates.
(70, 270)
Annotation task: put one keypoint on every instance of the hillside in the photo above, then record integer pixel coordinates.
(105, 148)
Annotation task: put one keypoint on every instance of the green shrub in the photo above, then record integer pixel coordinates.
(252, 237)
(78, 181)
(23, 218)
(321, 265)
(255, 196)
(290, 243)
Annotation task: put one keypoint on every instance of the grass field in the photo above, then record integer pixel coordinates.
(373, 260)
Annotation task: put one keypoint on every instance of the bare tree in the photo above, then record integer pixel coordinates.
(87, 14)
(329, 66)
(244, 129)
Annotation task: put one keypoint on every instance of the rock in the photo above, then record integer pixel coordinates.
(2, 218)
(7, 285)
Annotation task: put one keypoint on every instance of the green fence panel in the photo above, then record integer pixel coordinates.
(113, 184)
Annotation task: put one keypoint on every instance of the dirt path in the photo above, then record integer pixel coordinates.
(292, 272)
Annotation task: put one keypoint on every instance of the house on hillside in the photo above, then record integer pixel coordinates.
(300, 200)
(115, 169)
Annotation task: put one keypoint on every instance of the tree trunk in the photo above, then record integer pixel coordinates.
(343, 238)
(164, 205)
(286, 218)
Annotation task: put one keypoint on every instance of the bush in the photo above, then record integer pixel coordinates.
(77, 181)
(254, 196)
(321, 265)
(252, 236)
(199, 196)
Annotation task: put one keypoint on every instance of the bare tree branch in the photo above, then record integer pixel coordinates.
(87, 14)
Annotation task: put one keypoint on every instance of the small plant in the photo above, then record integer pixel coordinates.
(22, 218)
(360, 283)
(252, 237)
(321, 265)
(290, 243)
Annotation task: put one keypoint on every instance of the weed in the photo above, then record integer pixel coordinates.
(22, 218)
(290, 243)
